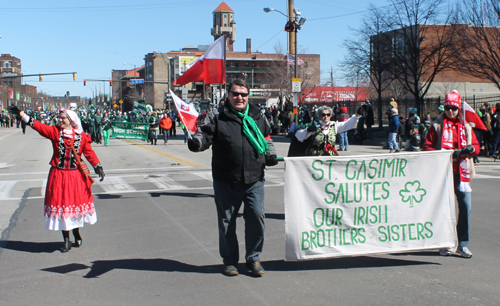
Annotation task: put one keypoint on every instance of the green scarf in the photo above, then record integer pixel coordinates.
(256, 138)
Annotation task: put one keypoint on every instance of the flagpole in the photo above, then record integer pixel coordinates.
(182, 119)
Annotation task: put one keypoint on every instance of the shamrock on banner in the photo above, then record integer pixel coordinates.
(412, 193)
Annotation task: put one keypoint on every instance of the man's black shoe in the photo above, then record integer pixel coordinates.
(256, 268)
(230, 270)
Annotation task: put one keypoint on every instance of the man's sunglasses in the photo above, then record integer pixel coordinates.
(235, 94)
(452, 108)
(325, 114)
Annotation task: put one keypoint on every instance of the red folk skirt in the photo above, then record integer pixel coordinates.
(68, 201)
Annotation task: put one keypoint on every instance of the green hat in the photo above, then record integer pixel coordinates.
(441, 108)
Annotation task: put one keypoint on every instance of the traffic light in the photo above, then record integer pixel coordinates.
(74, 76)
(40, 77)
(111, 82)
(84, 82)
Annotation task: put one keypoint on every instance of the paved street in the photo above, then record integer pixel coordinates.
(156, 241)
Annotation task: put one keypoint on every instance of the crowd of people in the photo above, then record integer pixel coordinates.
(409, 133)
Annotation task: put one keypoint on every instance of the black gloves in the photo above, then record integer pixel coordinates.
(14, 110)
(194, 144)
(99, 171)
(312, 128)
(468, 149)
(465, 150)
(271, 160)
(360, 111)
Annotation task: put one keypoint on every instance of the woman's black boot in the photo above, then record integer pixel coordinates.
(67, 242)
(78, 238)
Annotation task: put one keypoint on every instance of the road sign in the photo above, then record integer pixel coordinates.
(121, 101)
(137, 81)
(296, 85)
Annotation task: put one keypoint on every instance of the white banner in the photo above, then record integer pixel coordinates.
(354, 205)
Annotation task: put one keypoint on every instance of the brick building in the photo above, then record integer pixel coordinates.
(445, 80)
(269, 75)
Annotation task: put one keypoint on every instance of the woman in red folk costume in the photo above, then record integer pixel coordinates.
(68, 198)
(449, 132)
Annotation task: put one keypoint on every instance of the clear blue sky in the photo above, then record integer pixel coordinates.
(94, 37)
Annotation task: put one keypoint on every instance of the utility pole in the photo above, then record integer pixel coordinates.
(292, 36)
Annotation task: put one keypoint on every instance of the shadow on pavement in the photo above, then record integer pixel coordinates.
(31, 247)
(275, 216)
(105, 196)
(341, 263)
(101, 267)
(181, 194)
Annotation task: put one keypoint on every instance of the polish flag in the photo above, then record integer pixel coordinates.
(187, 113)
(210, 67)
(472, 117)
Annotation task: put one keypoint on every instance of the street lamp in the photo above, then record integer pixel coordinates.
(293, 25)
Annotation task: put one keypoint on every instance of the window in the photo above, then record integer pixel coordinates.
(246, 64)
(232, 64)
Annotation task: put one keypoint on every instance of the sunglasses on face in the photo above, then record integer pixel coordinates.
(452, 108)
(235, 94)
(325, 114)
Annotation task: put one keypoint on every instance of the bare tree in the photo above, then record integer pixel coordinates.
(478, 40)
(422, 47)
(367, 54)
(281, 73)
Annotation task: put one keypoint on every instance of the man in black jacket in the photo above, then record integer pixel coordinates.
(241, 149)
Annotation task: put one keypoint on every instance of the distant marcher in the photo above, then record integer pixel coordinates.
(166, 125)
(369, 119)
(344, 142)
(106, 128)
(393, 131)
(495, 126)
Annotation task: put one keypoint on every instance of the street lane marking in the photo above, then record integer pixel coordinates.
(5, 188)
(180, 160)
(44, 184)
(5, 136)
(115, 184)
(164, 182)
(137, 191)
(486, 176)
(206, 175)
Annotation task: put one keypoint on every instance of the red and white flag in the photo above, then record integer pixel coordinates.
(187, 113)
(210, 67)
(473, 118)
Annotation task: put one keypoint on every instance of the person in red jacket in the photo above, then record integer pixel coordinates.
(449, 132)
(68, 199)
(166, 125)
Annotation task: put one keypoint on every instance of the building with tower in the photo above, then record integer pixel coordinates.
(269, 75)
(224, 24)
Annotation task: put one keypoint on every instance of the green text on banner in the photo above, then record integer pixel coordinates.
(356, 205)
(130, 130)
